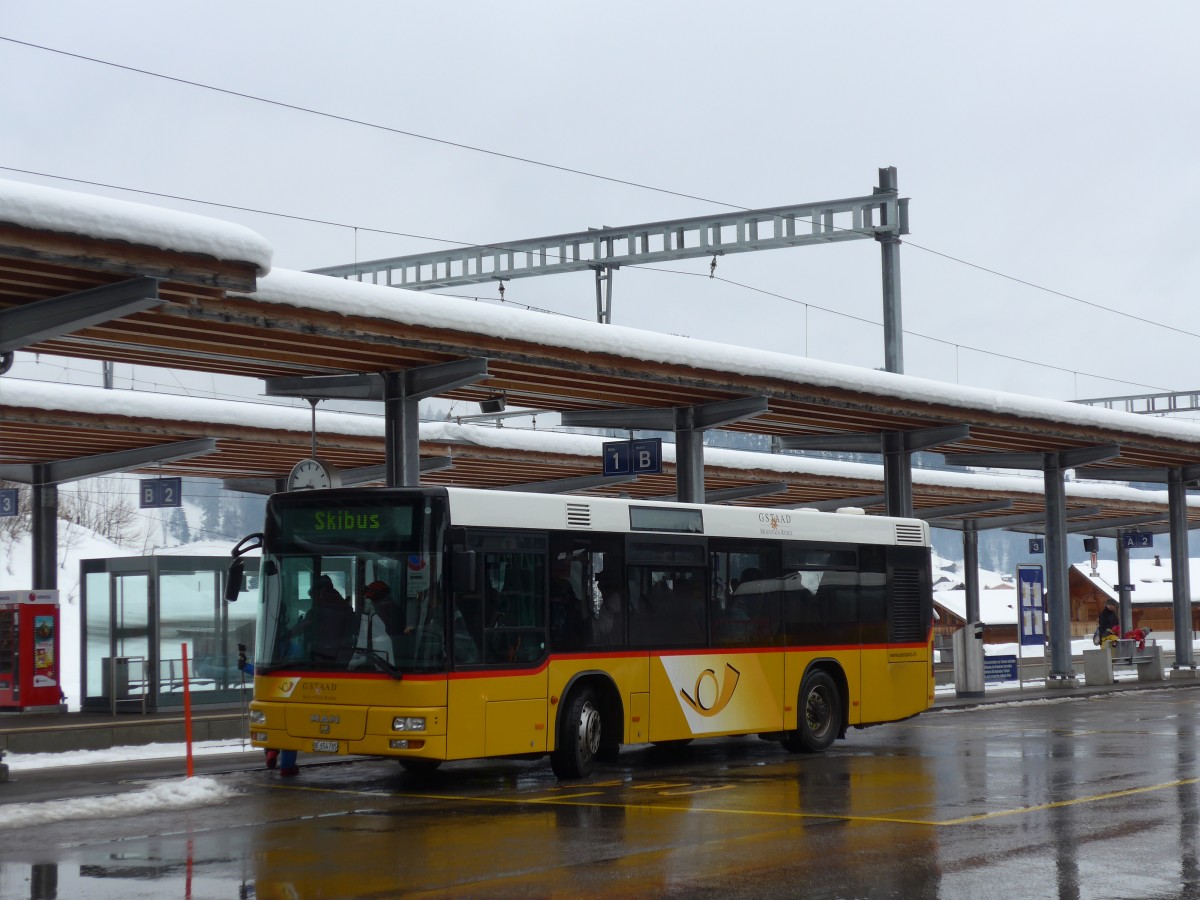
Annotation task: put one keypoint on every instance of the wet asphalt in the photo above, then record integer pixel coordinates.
(1082, 795)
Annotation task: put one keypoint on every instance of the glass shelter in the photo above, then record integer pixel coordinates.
(137, 615)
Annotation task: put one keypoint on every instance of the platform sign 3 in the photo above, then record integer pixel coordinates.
(157, 493)
(8, 502)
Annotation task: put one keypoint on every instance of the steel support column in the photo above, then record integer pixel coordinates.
(689, 424)
(1177, 480)
(1054, 466)
(896, 447)
(889, 245)
(45, 532)
(1057, 578)
(897, 474)
(1123, 587)
(400, 392)
(1181, 594)
(689, 465)
(970, 542)
(402, 432)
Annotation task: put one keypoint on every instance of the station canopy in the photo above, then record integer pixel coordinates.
(215, 310)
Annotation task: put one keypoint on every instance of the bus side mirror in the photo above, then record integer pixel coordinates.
(234, 580)
(462, 570)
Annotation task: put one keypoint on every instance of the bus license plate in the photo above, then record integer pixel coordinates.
(325, 746)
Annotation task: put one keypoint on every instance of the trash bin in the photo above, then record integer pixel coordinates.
(968, 660)
(116, 677)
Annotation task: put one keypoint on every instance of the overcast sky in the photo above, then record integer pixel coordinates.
(1054, 143)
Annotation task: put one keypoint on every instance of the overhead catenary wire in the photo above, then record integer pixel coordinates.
(540, 163)
(650, 268)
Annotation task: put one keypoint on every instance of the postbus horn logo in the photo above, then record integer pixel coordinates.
(724, 692)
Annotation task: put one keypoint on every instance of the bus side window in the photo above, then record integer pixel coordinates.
(514, 612)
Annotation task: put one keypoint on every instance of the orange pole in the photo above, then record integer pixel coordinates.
(187, 713)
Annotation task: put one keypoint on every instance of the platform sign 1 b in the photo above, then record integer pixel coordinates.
(1131, 540)
(9, 505)
(157, 493)
(643, 457)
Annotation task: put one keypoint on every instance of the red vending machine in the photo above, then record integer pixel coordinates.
(29, 679)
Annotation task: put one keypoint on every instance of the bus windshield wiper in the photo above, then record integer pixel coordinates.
(380, 661)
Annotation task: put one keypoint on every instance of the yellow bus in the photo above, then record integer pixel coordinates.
(433, 624)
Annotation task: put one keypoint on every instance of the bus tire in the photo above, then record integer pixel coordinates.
(819, 715)
(419, 766)
(579, 736)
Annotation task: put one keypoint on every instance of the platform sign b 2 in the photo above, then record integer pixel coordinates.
(157, 493)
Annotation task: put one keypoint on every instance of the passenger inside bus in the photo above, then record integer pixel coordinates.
(427, 636)
(608, 627)
(568, 622)
(382, 621)
(329, 629)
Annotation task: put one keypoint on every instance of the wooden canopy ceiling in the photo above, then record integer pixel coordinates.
(33, 434)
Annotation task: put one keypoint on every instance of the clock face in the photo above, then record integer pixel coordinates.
(312, 474)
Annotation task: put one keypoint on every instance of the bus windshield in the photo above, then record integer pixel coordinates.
(352, 583)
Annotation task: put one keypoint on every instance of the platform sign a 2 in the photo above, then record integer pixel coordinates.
(1132, 540)
(158, 493)
(1031, 605)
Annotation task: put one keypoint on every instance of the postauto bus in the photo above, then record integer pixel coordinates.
(511, 624)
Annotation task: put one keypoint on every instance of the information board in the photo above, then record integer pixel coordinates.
(999, 668)
(1031, 610)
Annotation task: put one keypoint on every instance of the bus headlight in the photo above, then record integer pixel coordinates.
(408, 723)
(258, 736)
(258, 717)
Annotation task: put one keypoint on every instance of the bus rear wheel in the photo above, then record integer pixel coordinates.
(820, 715)
(579, 736)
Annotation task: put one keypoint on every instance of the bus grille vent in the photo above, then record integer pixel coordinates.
(579, 515)
(906, 625)
(910, 534)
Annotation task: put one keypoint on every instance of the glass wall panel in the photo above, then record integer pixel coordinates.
(188, 614)
(98, 631)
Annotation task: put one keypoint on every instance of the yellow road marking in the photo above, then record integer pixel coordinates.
(566, 797)
(563, 799)
(1058, 804)
(702, 790)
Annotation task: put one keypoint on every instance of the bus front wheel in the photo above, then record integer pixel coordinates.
(579, 736)
(820, 715)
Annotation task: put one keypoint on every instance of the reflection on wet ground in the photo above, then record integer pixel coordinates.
(1032, 800)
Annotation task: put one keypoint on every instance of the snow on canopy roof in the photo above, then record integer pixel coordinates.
(68, 212)
(1152, 583)
(336, 295)
(173, 407)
